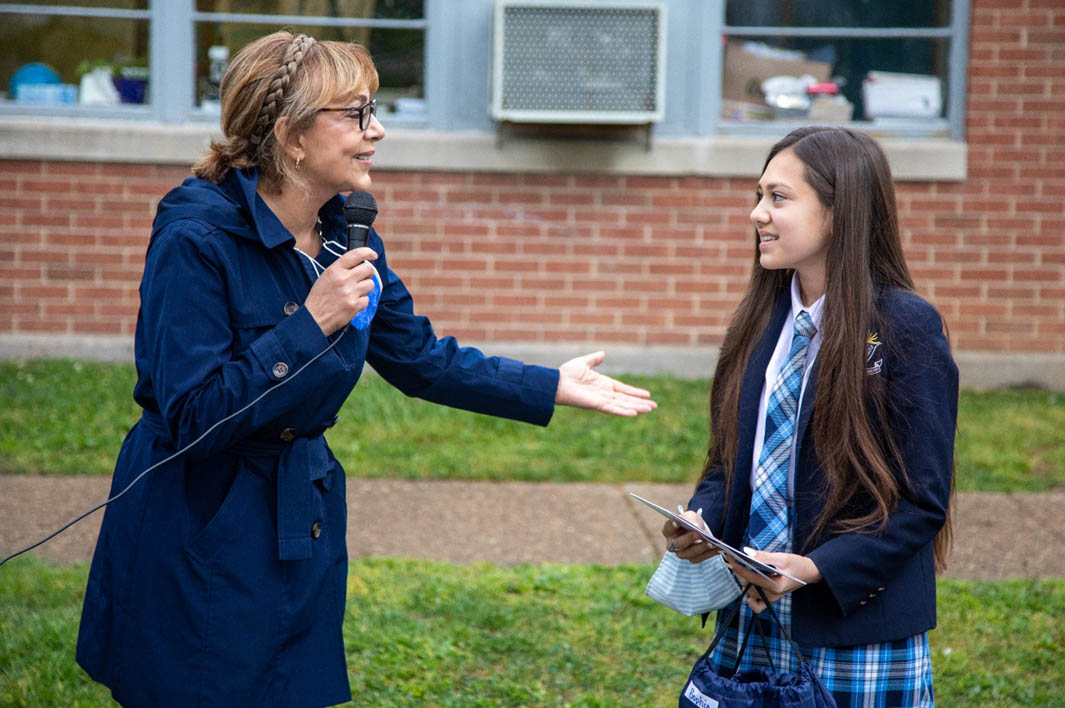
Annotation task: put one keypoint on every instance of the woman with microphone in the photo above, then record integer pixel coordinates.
(219, 579)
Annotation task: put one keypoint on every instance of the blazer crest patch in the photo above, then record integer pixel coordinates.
(873, 365)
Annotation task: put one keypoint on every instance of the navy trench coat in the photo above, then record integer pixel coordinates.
(219, 579)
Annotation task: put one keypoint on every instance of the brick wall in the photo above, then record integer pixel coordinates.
(633, 260)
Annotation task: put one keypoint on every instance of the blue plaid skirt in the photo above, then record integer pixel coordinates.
(882, 675)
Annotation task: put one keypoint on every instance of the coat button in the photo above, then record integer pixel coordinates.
(290, 307)
(280, 370)
(863, 602)
(880, 589)
(287, 435)
(316, 529)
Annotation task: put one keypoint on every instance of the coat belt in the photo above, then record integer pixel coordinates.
(302, 461)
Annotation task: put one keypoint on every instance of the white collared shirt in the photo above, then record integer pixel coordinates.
(780, 357)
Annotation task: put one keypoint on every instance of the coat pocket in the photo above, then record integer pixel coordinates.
(227, 524)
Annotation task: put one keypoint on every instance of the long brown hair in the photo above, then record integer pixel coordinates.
(281, 75)
(859, 455)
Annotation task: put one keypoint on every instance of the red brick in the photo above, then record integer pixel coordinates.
(650, 183)
(1054, 37)
(995, 35)
(563, 301)
(571, 198)
(539, 180)
(629, 199)
(463, 299)
(494, 179)
(26, 202)
(1047, 275)
(518, 266)
(43, 325)
(85, 326)
(1044, 238)
(28, 309)
(1038, 311)
(22, 167)
(52, 220)
(964, 291)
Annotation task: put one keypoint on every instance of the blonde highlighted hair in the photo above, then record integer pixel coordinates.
(281, 75)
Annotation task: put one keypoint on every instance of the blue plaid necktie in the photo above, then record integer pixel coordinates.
(768, 527)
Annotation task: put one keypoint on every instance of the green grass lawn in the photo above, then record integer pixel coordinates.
(64, 417)
(431, 634)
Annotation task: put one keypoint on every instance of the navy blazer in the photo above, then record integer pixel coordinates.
(877, 586)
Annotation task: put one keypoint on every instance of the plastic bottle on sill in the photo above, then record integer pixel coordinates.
(218, 62)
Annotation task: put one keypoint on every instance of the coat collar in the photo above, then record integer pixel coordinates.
(234, 206)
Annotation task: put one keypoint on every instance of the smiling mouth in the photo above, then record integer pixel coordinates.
(365, 157)
(762, 238)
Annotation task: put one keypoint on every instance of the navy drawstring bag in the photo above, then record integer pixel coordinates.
(754, 688)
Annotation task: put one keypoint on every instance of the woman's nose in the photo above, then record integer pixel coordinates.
(375, 130)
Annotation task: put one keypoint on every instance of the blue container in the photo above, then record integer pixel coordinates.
(32, 73)
(131, 90)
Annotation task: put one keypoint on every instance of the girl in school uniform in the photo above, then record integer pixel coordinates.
(834, 405)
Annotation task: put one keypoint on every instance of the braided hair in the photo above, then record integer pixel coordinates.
(271, 106)
(281, 75)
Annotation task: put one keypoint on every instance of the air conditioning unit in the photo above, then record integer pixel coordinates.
(578, 62)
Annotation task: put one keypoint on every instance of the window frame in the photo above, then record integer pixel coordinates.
(172, 56)
(458, 101)
(955, 32)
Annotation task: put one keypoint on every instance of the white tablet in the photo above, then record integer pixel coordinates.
(764, 569)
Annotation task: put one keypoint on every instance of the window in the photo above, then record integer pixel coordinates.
(393, 31)
(896, 68)
(103, 57)
(59, 56)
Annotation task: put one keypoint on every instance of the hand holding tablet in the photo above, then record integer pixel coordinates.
(765, 570)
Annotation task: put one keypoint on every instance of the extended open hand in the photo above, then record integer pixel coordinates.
(581, 386)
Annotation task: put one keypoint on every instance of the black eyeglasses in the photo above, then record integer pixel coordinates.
(361, 113)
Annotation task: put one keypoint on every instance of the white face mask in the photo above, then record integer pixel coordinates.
(693, 588)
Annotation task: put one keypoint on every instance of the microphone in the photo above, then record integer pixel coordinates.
(360, 210)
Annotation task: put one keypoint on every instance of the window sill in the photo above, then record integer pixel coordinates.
(36, 138)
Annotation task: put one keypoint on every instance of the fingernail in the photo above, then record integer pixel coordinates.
(748, 550)
(674, 524)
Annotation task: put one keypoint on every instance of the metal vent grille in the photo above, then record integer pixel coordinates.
(578, 62)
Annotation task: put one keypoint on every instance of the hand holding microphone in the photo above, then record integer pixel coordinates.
(342, 290)
(349, 289)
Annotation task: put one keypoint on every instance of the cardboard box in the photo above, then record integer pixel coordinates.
(748, 64)
(830, 109)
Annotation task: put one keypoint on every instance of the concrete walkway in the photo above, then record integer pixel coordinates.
(996, 535)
